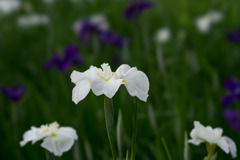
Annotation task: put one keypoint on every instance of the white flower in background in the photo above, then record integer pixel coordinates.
(215, 16)
(163, 35)
(8, 6)
(33, 20)
(105, 82)
(212, 136)
(204, 22)
(55, 139)
(135, 81)
(98, 20)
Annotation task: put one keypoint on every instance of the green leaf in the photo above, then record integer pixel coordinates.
(134, 130)
(127, 157)
(120, 133)
(214, 157)
(186, 147)
(88, 150)
(152, 117)
(211, 157)
(166, 149)
(109, 119)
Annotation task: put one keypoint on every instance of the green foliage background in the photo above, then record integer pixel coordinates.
(190, 88)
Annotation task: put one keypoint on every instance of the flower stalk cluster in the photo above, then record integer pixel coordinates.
(102, 81)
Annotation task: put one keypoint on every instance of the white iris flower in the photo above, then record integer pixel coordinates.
(33, 20)
(204, 22)
(55, 139)
(98, 20)
(105, 82)
(135, 81)
(163, 35)
(8, 6)
(212, 136)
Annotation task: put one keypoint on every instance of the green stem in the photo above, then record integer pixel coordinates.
(134, 131)
(15, 119)
(50, 156)
(166, 149)
(211, 150)
(109, 119)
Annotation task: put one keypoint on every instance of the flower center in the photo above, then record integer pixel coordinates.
(54, 135)
(51, 128)
(44, 128)
(105, 73)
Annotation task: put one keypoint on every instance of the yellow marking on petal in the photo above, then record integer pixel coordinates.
(124, 81)
(44, 129)
(54, 134)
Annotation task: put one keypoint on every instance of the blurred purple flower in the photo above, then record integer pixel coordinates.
(136, 8)
(113, 39)
(87, 30)
(232, 116)
(70, 57)
(14, 92)
(234, 36)
(90, 26)
(233, 86)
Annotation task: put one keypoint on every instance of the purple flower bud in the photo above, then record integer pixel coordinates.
(87, 30)
(14, 92)
(71, 54)
(112, 38)
(232, 116)
(234, 36)
(136, 8)
(227, 100)
(233, 86)
(70, 57)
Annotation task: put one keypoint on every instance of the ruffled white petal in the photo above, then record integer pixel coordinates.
(195, 138)
(57, 145)
(81, 90)
(222, 143)
(68, 132)
(195, 141)
(108, 88)
(232, 146)
(61, 141)
(217, 132)
(34, 135)
(204, 133)
(122, 70)
(77, 76)
(193, 133)
(91, 73)
(137, 84)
